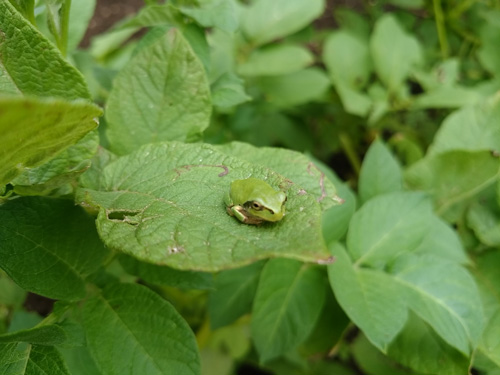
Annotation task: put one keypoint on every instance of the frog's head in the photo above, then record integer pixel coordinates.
(270, 208)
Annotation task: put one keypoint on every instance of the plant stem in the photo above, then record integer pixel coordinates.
(65, 9)
(350, 151)
(441, 28)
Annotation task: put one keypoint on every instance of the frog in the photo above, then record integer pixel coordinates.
(254, 201)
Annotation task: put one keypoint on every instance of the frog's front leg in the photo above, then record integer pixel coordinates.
(239, 212)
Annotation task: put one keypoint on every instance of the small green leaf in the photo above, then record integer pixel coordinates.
(421, 349)
(162, 94)
(276, 60)
(162, 275)
(295, 88)
(484, 219)
(453, 178)
(130, 329)
(49, 246)
(370, 298)
(488, 54)
(354, 102)
(79, 361)
(265, 21)
(234, 294)
(46, 128)
(347, 58)
(289, 300)
(380, 172)
(229, 91)
(387, 226)
(43, 335)
(32, 64)
(447, 97)
(31, 359)
(223, 14)
(150, 208)
(395, 53)
(444, 295)
(472, 128)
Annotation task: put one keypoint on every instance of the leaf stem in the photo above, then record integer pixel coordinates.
(441, 28)
(65, 10)
(350, 151)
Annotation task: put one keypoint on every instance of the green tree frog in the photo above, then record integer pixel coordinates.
(253, 201)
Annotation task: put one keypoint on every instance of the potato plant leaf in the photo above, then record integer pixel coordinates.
(165, 204)
(161, 95)
(130, 329)
(49, 246)
(25, 359)
(33, 131)
(288, 302)
(43, 335)
(30, 64)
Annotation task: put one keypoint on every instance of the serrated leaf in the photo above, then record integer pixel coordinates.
(33, 131)
(421, 349)
(63, 168)
(380, 172)
(453, 178)
(223, 14)
(25, 359)
(289, 299)
(444, 295)
(265, 21)
(370, 298)
(48, 246)
(130, 329)
(387, 226)
(43, 335)
(295, 88)
(32, 63)
(155, 200)
(234, 294)
(162, 94)
(472, 128)
(276, 60)
(394, 52)
(294, 165)
(162, 275)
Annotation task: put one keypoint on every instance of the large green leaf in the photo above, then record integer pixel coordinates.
(31, 65)
(288, 303)
(49, 246)
(265, 21)
(234, 294)
(165, 204)
(420, 348)
(130, 329)
(444, 295)
(162, 94)
(25, 359)
(370, 298)
(387, 226)
(394, 52)
(380, 172)
(33, 131)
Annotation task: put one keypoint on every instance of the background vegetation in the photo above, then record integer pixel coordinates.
(118, 255)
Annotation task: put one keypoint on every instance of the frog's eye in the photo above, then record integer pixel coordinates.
(256, 206)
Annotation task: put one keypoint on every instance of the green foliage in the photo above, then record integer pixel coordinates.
(382, 129)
